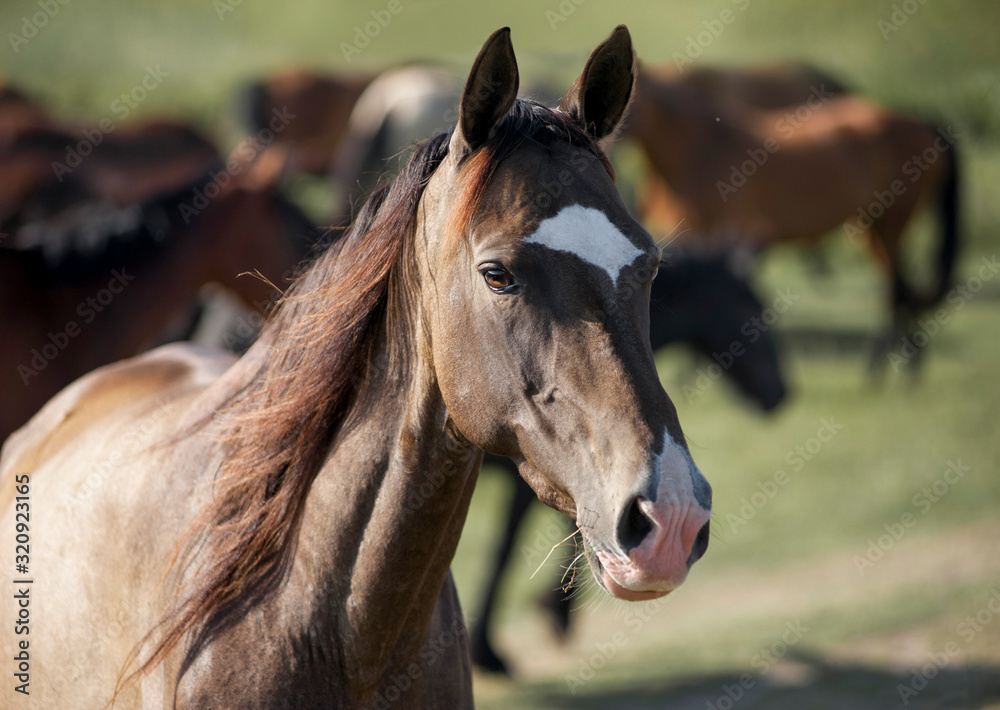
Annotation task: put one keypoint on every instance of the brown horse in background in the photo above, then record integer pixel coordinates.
(771, 86)
(97, 282)
(45, 168)
(737, 175)
(324, 478)
(308, 113)
(18, 112)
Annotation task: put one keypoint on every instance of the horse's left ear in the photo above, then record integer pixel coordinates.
(599, 97)
(489, 94)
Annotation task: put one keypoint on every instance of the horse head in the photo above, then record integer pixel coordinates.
(534, 308)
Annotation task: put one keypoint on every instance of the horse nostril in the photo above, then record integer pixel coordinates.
(633, 526)
(700, 545)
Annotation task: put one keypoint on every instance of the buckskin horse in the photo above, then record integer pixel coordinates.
(324, 478)
(738, 175)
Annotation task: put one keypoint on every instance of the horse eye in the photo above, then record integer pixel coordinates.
(498, 279)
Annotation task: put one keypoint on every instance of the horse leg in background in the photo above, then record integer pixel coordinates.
(884, 240)
(557, 602)
(483, 654)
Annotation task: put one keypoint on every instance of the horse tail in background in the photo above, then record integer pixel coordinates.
(948, 207)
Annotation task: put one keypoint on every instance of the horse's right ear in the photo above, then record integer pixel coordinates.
(599, 97)
(489, 94)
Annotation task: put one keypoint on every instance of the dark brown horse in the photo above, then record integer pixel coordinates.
(45, 168)
(738, 175)
(324, 478)
(96, 282)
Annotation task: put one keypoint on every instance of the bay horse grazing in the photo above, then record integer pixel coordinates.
(324, 478)
(740, 175)
(696, 300)
(97, 282)
(307, 112)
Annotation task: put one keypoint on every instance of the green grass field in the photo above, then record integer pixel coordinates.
(806, 598)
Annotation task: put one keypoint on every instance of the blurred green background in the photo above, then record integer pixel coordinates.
(796, 560)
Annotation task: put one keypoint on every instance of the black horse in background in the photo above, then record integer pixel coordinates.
(696, 299)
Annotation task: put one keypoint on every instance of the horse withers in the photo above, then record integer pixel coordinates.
(324, 478)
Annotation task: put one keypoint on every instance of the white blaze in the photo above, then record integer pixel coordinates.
(590, 235)
(678, 474)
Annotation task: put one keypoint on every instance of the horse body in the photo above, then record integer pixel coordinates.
(772, 86)
(107, 419)
(759, 177)
(132, 164)
(324, 477)
(286, 646)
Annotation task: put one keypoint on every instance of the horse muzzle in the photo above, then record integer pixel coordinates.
(665, 543)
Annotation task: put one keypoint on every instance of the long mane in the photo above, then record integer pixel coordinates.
(280, 423)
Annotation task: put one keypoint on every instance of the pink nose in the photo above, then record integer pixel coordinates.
(662, 543)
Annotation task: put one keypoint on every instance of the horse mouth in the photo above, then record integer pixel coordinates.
(606, 580)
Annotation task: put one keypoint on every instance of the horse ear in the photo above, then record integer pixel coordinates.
(599, 97)
(489, 94)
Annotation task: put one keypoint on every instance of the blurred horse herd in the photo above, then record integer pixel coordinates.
(108, 238)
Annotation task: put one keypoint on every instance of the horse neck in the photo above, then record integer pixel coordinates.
(382, 522)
